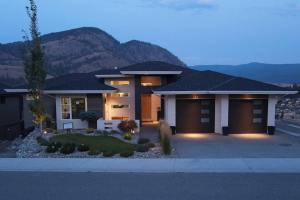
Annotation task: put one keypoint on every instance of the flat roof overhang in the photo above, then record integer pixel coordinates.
(224, 92)
(151, 72)
(63, 91)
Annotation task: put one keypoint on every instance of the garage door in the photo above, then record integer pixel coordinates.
(248, 116)
(195, 116)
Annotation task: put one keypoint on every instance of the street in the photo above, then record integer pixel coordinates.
(131, 186)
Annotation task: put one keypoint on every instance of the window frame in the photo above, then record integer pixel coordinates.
(70, 106)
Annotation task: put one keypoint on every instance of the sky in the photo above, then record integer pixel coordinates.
(197, 31)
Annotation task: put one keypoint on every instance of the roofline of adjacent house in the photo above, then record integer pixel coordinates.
(151, 72)
(224, 92)
(62, 91)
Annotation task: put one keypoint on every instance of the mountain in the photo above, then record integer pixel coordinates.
(81, 50)
(272, 73)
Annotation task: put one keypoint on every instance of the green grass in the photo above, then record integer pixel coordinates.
(96, 143)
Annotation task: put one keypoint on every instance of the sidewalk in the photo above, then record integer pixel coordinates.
(261, 165)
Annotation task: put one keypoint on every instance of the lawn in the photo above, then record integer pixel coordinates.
(98, 143)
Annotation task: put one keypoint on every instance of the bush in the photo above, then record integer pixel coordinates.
(83, 148)
(89, 116)
(126, 154)
(151, 145)
(166, 146)
(143, 141)
(90, 130)
(127, 136)
(105, 133)
(67, 148)
(93, 152)
(41, 141)
(127, 126)
(142, 148)
(108, 154)
(51, 149)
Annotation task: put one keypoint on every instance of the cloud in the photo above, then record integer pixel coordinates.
(184, 4)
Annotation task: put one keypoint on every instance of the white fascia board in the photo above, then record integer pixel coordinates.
(111, 76)
(77, 91)
(224, 92)
(151, 72)
(16, 90)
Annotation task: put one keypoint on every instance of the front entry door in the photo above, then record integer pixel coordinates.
(146, 108)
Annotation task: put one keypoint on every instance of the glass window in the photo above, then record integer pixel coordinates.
(120, 94)
(66, 108)
(205, 111)
(257, 111)
(150, 81)
(205, 120)
(124, 82)
(257, 120)
(78, 106)
(119, 106)
(205, 102)
(257, 102)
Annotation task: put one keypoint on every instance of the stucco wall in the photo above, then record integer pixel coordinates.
(221, 112)
(272, 101)
(170, 109)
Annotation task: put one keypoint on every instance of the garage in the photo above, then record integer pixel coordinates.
(247, 115)
(195, 115)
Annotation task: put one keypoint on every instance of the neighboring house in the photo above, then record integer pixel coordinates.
(190, 101)
(11, 114)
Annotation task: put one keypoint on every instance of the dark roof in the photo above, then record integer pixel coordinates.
(214, 81)
(107, 72)
(152, 66)
(2, 87)
(76, 81)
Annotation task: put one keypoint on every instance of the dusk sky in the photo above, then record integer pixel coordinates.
(197, 31)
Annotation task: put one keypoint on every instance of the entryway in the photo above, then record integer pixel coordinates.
(150, 108)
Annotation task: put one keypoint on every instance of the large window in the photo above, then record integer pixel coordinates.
(150, 81)
(71, 107)
(119, 106)
(120, 94)
(123, 82)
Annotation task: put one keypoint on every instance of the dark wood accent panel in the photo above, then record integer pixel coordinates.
(195, 115)
(146, 107)
(95, 103)
(137, 83)
(248, 116)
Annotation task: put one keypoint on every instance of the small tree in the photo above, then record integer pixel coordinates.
(35, 72)
(91, 117)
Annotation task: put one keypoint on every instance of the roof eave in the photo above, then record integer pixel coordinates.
(151, 72)
(224, 92)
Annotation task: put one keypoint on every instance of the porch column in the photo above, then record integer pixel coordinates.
(170, 111)
(221, 114)
(272, 101)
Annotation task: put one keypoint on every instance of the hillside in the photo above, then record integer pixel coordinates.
(81, 50)
(272, 73)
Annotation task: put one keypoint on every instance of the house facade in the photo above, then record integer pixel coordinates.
(190, 101)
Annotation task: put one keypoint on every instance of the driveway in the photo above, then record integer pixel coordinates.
(236, 146)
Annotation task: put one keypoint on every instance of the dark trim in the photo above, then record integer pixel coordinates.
(195, 96)
(225, 130)
(271, 130)
(248, 96)
(173, 129)
(137, 85)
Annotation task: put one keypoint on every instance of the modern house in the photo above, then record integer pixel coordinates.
(190, 101)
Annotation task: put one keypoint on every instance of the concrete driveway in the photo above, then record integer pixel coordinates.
(236, 146)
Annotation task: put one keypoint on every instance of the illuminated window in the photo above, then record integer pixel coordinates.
(72, 107)
(257, 120)
(119, 82)
(257, 102)
(150, 81)
(119, 106)
(205, 120)
(120, 94)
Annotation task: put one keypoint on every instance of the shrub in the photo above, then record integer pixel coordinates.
(113, 132)
(67, 148)
(90, 130)
(127, 136)
(89, 116)
(126, 154)
(127, 126)
(51, 149)
(143, 141)
(83, 148)
(42, 141)
(166, 146)
(151, 145)
(98, 132)
(105, 133)
(93, 152)
(142, 148)
(108, 154)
